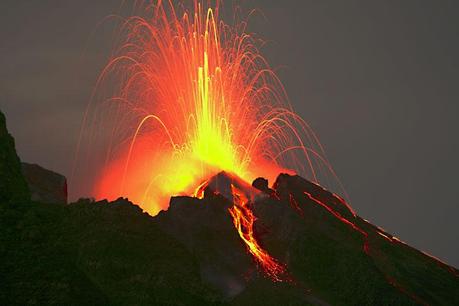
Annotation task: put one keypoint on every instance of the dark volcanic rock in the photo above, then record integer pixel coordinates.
(261, 184)
(45, 186)
(331, 251)
(332, 256)
(112, 253)
(13, 187)
(206, 230)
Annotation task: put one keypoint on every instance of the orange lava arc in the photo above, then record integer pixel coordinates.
(193, 97)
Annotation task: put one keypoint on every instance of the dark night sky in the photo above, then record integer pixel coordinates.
(377, 81)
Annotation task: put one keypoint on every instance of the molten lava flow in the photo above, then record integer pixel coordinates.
(335, 213)
(193, 97)
(243, 220)
(199, 192)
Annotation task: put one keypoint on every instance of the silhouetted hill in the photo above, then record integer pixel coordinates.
(112, 253)
(13, 187)
(45, 185)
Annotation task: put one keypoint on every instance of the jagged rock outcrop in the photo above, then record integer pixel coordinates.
(332, 256)
(45, 186)
(21, 182)
(13, 187)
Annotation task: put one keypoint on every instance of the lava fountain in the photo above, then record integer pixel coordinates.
(193, 97)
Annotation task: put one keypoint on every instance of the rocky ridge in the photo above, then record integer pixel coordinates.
(113, 253)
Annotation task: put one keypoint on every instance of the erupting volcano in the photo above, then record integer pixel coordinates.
(193, 97)
(195, 182)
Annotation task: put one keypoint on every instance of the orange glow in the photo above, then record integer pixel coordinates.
(184, 97)
(193, 97)
(243, 220)
(199, 192)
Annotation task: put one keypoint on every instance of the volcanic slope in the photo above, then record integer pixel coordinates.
(113, 253)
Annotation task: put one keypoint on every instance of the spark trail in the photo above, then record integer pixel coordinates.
(193, 97)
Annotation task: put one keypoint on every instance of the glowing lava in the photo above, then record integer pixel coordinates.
(194, 97)
(243, 219)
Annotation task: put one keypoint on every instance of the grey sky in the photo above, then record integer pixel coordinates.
(377, 81)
